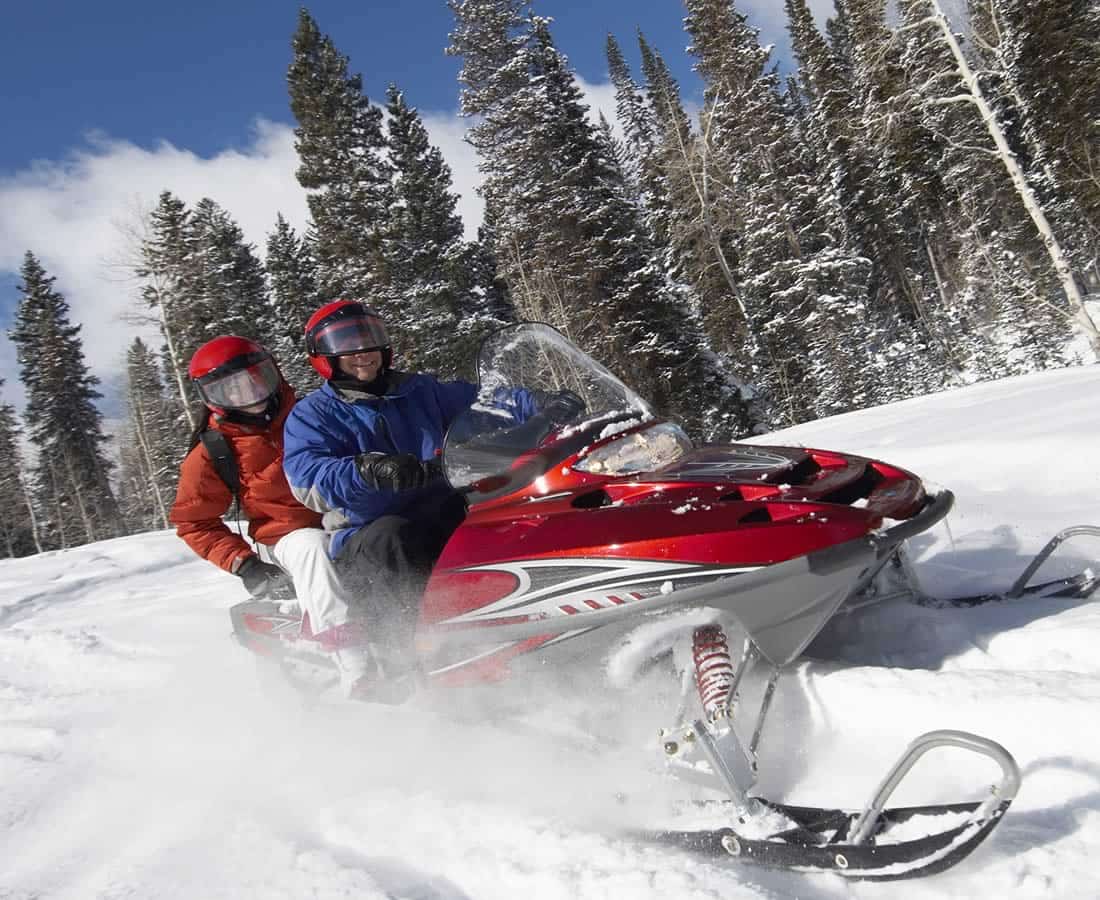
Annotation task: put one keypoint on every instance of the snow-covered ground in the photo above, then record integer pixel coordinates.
(139, 757)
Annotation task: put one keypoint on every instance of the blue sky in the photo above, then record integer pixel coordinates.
(107, 104)
(196, 73)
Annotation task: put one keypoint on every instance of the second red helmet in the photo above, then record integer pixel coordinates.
(234, 373)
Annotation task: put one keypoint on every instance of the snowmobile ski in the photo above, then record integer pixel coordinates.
(1079, 586)
(860, 845)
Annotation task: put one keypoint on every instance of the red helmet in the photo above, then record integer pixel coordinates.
(341, 328)
(234, 373)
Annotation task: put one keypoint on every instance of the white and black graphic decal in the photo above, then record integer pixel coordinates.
(573, 587)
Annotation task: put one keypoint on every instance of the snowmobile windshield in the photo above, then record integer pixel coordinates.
(243, 387)
(536, 392)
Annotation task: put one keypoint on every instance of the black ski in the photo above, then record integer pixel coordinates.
(818, 842)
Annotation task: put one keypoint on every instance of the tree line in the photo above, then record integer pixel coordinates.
(912, 208)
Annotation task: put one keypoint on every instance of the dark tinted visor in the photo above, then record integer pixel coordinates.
(351, 332)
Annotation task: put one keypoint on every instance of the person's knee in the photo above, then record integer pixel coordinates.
(376, 539)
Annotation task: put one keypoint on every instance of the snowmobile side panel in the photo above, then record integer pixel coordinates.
(781, 606)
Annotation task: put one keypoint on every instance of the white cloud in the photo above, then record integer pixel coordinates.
(770, 16)
(72, 214)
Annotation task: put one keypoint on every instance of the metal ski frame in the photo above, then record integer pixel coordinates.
(1083, 585)
(1079, 586)
(710, 752)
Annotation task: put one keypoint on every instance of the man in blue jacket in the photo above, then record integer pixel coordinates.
(362, 449)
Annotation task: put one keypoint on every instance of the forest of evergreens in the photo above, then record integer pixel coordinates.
(916, 206)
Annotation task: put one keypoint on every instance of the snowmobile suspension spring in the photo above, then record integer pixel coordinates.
(714, 671)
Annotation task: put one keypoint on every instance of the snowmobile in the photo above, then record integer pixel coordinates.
(580, 530)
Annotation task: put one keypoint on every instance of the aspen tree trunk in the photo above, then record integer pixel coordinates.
(700, 184)
(141, 432)
(177, 369)
(30, 512)
(1019, 181)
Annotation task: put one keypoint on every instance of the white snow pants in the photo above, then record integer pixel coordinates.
(304, 555)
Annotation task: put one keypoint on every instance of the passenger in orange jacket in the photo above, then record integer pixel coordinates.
(247, 400)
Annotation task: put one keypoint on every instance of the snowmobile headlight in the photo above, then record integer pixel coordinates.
(640, 451)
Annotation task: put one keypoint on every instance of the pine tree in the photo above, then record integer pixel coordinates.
(19, 524)
(292, 282)
(690, 211)
(430, 274)
(494, 300)
(229, 279)
(169, 288)
(62, 421)
(341, 147)
(873, 218)
(634, 117)
(202, 281)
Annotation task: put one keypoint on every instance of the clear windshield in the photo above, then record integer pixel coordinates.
(523, 374)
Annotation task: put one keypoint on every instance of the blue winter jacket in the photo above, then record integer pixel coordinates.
(326, 430)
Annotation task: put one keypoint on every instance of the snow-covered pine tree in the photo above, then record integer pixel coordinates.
(634, 118)
(19, 524)
(168, 288)
(838, 28)
(202, 280)
(490, 288)
(868, 221)
(229, 277)
(684, 205)
(62, 421)
(569, 243)
(430, 276)
(912, 254)
(292, 284)
(151, 455)
(800, 285)
(341, 148)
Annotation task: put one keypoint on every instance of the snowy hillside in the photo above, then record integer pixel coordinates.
(139, 757)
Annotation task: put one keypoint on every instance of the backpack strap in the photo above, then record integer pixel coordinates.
(225, 463)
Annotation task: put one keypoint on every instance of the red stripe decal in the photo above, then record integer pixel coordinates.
(618, 601)
(592, 604)
(569, 609)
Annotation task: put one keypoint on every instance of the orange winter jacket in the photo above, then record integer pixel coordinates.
(203, 498)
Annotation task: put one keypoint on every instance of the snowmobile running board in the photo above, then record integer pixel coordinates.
(858, 845)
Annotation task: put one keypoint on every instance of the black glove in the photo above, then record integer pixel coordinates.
(395, 471)
(265, 581)
(561, 406)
